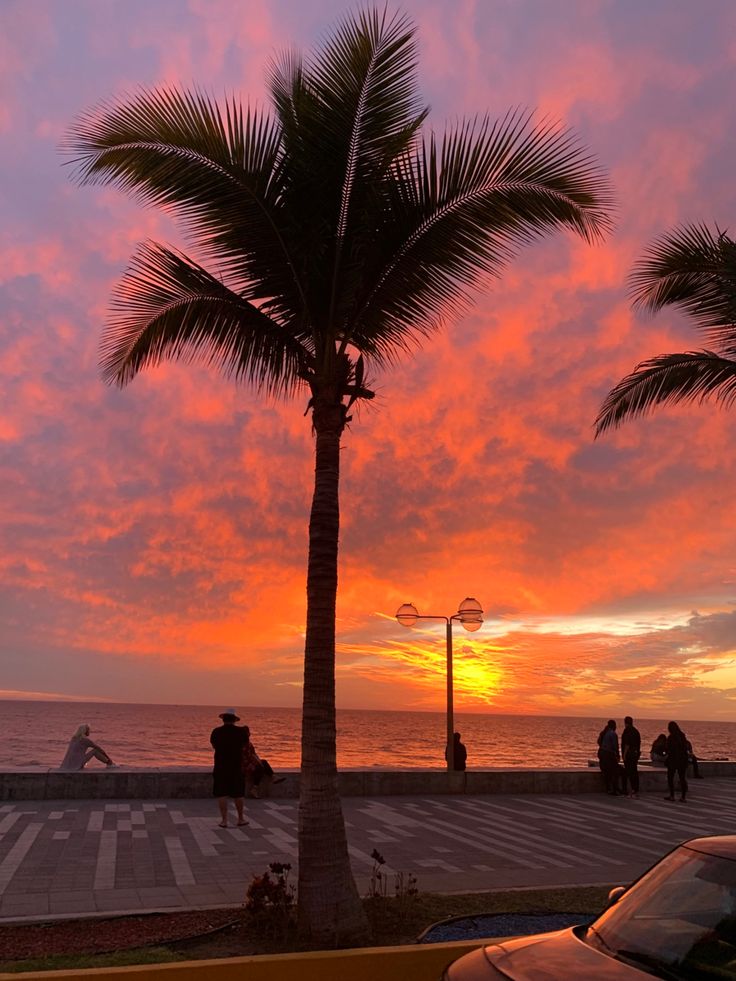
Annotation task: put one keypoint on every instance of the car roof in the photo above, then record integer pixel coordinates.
(724, 846)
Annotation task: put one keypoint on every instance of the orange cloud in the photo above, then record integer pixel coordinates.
(167, 524)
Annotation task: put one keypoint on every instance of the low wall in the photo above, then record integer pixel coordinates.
(421, 962)
(130, 783)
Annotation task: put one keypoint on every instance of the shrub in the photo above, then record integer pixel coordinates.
(270, 901)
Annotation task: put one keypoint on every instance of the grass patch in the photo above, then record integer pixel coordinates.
(396, 922)
(393, 922)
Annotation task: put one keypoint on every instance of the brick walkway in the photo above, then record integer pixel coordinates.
(76, 857)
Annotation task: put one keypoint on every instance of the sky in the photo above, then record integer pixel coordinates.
(153, 539)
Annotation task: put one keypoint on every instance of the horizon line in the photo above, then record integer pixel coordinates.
(46, 697)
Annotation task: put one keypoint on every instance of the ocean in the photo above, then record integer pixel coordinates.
(36, 733)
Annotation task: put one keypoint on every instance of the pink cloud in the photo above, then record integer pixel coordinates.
(169, 520)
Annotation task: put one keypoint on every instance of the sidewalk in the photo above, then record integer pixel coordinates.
(84, 857)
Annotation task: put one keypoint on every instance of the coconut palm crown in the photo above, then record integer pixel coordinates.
(694, 269)
(333, 233)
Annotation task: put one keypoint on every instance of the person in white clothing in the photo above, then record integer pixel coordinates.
(81, 750)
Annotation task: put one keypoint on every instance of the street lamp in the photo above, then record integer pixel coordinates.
(470, 615)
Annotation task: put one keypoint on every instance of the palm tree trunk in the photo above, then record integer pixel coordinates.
(330, 910)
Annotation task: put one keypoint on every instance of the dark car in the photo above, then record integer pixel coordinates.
(678, 921)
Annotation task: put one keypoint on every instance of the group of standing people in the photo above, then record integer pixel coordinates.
(611, 756)
(621, 763)
(236, 764)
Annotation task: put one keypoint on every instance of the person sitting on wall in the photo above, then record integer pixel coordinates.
(693, 760)
(658, 752)
(255, 769)
(81, 750)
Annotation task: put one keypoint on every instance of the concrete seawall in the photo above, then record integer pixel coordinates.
(129, 783)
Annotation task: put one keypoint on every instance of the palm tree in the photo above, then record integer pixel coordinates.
(692, 268)
(341, 236)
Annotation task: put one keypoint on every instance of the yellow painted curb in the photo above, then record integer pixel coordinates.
(418, 962)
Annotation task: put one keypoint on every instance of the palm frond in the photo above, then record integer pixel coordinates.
(693, 268)
(347, 113)
(217, 169)
(168, 307)
(461, 209)
(304, 198)
(366, 81)
(669, 378)
(286, 83)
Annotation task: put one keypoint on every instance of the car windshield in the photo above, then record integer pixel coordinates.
(679, 921)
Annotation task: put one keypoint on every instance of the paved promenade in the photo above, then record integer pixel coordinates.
(78, 857)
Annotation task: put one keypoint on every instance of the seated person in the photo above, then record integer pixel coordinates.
(693, 760)
(255, 768)
(658, 752)
(81, 750)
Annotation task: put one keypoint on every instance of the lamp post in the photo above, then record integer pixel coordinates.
(470, 615)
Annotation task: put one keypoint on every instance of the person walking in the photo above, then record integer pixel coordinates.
(81, 750)
(676, 761)
(630, 753)
(228, 780)
(609, 756)
(459, 753)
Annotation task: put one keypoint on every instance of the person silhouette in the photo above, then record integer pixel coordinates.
(676, 761)
(609, 756)
(459, 753)
(630, 753)
(81, 750)
(228, 780)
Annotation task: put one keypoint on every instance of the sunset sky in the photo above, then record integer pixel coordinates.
(153, 539)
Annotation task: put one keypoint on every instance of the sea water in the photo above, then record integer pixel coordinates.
(36, 733)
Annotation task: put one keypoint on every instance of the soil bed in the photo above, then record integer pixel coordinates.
(187, 935)
(18, 941)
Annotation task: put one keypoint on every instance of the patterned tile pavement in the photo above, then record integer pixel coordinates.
(76, 857)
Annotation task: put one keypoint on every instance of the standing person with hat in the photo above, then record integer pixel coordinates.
(228, 741)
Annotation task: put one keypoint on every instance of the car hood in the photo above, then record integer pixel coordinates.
(559, 956)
